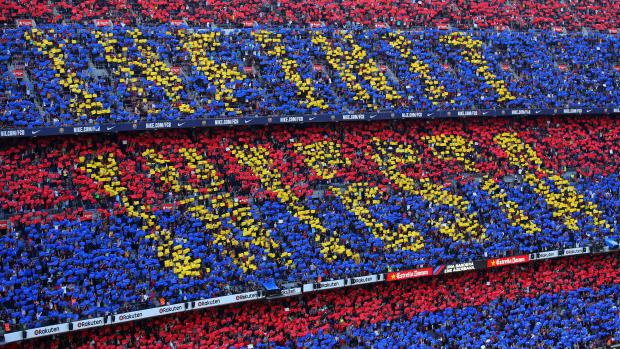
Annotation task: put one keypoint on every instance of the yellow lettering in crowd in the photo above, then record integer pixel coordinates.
(238, 214)
(257, 159)
(454, 147)
(390, 155)
(472, 53)
(221, 202)
(325, 158)
(567, 201)
(104, 169)
(358, 197)
(153, 69)
(435, 91)
(221, 75)
(353, 64)
(275, 48)
(82, 102)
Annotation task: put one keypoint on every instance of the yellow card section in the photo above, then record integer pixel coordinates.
(325, 158)
(472, 53)
(350, 64)
(390, 155)
(435, 91)
(257, 159)
(221, 75)
(305, 89)
(82, 102)
(358, 197)
(238, 251)
(104, 169)
(243, 219)
(455, 147)
(567, 201)
(153, 69)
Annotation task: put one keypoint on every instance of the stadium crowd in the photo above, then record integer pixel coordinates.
(61, 75)
(570, 302)
(99, 225)
(520, 14)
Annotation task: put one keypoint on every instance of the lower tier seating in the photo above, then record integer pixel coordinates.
(571, 302)
(96, 225)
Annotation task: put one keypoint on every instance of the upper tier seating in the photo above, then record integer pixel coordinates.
(521, 14)
(61, 75)
(98, 225)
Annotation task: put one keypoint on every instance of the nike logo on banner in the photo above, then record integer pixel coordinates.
(180, 124)
(311, 119)
(485, 113)
(247, 121)
(35, 132)
(109, 128)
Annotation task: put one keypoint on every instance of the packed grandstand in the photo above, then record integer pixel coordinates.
(66, 75)
(397, 174)
(514, 307)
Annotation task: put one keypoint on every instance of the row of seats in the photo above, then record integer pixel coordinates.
(522, 14)
(59, 75)
(98, 225)
(562, 303)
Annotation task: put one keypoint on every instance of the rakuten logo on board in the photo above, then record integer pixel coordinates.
(245, 297)
(170, 309)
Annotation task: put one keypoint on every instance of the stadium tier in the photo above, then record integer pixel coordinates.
(103, 224)
(523, 14)
(63, 75)
(401, 174)
(571, 303)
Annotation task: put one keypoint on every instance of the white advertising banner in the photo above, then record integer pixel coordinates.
(287, 292)
(147, 313)
(544, 255)
(82, 324)
(233, 298)
(363, 280)
(575, 251)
